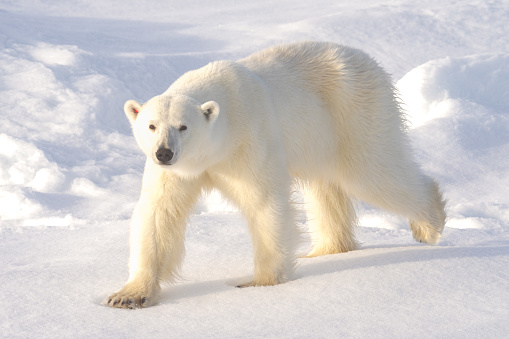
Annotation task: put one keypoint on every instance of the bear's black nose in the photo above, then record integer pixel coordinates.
(164, 155)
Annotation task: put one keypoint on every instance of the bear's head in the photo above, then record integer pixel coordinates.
(174, 131)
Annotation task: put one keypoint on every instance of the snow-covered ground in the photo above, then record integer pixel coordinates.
(70, 172)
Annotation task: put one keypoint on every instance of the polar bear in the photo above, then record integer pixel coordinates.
(318, 114)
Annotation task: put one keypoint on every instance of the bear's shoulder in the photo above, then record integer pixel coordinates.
(214, 77)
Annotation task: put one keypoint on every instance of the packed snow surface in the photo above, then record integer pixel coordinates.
(70, 172)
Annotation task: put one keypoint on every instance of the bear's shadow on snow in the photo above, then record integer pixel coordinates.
(371, 257)
(179, 292)
(336, 263)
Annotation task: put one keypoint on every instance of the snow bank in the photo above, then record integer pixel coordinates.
(62, 145)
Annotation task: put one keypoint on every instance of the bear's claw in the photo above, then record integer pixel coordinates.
(127, 302)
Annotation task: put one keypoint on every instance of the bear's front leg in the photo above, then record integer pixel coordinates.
(271, 222)
(275, 236)
(157, 237)
(142, 287)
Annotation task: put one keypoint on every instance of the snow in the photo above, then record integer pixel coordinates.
(70, 172)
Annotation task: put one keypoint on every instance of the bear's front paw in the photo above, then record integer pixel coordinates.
(128, 301)
(132, 298)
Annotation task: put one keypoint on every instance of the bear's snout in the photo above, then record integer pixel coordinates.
(164, 155)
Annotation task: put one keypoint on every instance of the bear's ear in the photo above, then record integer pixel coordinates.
(131, 109)
(210, 109)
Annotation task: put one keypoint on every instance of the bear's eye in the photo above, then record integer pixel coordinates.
(182, 128)
(152, 127)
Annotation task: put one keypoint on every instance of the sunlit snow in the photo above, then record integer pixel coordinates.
(70, 172)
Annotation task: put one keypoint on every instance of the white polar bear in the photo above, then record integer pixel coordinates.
(319, 114)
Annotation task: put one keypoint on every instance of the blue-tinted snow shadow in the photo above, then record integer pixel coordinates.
(374, 257)
(103, 36)
(141, 58)
(178, 292)
(363, 258)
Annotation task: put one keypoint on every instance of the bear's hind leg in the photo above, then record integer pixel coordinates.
(428, 226)
(410, 194)
(332, 216)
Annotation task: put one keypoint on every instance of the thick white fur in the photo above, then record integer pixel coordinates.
(323, 115)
